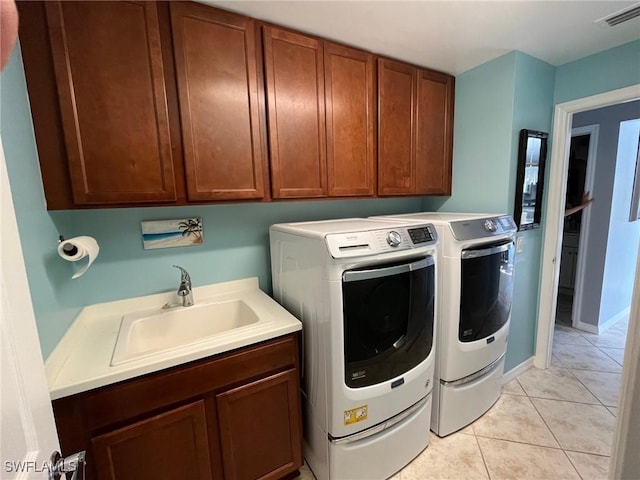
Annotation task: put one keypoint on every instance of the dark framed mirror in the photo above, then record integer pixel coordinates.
(532, 154)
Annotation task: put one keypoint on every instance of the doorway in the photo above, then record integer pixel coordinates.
(582, 157)
(554, 220)
(625, 441)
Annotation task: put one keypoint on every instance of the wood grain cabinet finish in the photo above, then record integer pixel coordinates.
(415, 130)
(350, 121)
(296, 114)
(256, 432)
(434, 133)
(216, 67)
(396, 126)
(171, 103)
(175, 441)
(321, 111)
(110, 78)
(233, 416)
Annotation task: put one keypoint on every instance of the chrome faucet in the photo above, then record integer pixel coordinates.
(184, 290)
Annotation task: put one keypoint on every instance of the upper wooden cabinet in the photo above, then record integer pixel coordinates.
(171, 103)
(216, 68)
(434, 133)
(110, 78)
(415, 130)
(296, 113)
(144, 102)
(351, 120)
(321, 111)
(396, 128)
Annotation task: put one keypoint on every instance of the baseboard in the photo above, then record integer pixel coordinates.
(517, 370)
(601, 327)
(587, 327)
(613, 320)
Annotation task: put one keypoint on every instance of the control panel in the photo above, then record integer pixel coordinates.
(483, 227)
(422, 234)
(370, 242)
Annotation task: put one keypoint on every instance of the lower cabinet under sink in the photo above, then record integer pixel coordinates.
(231, 416)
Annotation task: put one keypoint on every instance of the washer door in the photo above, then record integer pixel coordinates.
(486, 290)
(388, 320)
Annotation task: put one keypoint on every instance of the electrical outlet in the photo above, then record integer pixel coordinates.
(519, 244)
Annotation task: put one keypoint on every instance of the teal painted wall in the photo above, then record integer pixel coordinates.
(493, 102)
(612, 69)
(533, 110)
(236, 236)
(482, 139)
(55, 301)
(236, 243)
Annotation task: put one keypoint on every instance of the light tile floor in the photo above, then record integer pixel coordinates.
(548, 424)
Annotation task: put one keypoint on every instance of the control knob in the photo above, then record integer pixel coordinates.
(393, 238)
(490, 225)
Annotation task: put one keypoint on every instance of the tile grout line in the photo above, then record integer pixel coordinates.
(544, 421)
(594, 371)
(590, 391)
(585, 386)
(573, 464)
(556, 439)
(484, 462)
(519, 442)
(564, 401)
(554, 347)
(600, 348)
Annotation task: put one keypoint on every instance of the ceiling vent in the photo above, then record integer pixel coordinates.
(620, 16)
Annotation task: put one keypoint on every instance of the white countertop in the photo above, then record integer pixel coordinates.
(82, 359)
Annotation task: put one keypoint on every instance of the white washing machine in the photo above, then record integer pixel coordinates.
(365, 291)
(476, 260)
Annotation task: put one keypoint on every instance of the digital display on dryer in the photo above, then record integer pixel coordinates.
(420, 235)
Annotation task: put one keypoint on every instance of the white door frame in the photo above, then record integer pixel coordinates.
(576, 310)
(554, 222)
(27, 426)
(626, 438)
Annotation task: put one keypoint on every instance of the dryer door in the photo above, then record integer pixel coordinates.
(486, 290)
(388, 320)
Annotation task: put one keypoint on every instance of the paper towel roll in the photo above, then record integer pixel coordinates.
(77, 248)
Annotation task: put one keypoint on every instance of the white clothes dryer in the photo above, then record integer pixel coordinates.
(365, 291)
(476, 261)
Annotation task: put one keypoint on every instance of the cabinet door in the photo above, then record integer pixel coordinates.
(110, 79)
(260, 430)
(434, 133)
(350, 119)
(215, 55)
(396, 119)
(170, 446)
(296, 114)
(567, 267)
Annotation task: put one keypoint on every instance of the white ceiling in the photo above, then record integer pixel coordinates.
(453, 36)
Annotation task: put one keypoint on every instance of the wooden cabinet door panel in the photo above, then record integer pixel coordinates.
(215, 54)
(259, 428)
(350, 121)
(110, 79)
(170, 446)
(296, 113)
(396, 119)
(434, 133)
